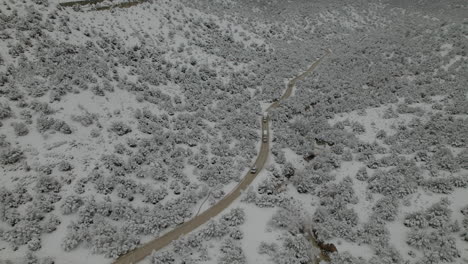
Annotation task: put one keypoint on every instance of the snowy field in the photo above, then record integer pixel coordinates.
(121, 120)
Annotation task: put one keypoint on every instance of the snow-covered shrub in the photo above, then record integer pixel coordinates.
(342, 191)
(358, 128)
(21, 129)
(439, 185)
(325, 162)
(105, 184)
(345, 258)
(114, 164)
(34, 244)
(464, 210)
(347, 155)
(374, 233)
(386, 208)
(154, 196)
(361, 174)
(120, 128)
(64, 166)
(235, 217)
(45, 201)
(44, 123)
(22, 233)
(438, 214)
(86, 119)
(10, 155)
(462, 159)
(443, 159)
(30, 258)
(162, 258)
(5, 111)
(381, 134)
(391, 183)
(47, 183)
(51, 223)
(386, 254)
(295, 249)
(71, 204)
(416, 219)
(109, 240)
(72, 239)
(33, 214)
(437, 246)
(236, 234)
(286, 219)
(215, 229)
(231, 252)
(42, 108)
(95, 132)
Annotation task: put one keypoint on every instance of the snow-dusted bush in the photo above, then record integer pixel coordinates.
(437, 246)
(345, 258)
(231, 252)
(163, 258)
(358, 128)
(235, 217)
(44, 123)
(287, 218)
(120, 128)
(86, 119)
(51, 223)
(107, 239)
(361, 174)
(325, 162)
(386, 254)
(10, 155)
(464, 210)
(34, 244)
(347, 155)
(72, 239)
(71, 204)
(436, 216)
(236, 234)
(443, 159)
(342, 191)
(30, 258)
(386, 208)
(21, 129)
(47, 183)
(439, 185)
(215, 229)
(462, 159)
(295, 249)
(42, 108)
(391, 183)
(154, 196)
(64, 166)
(374, 233)
(416, 219)
(5, 111)
(22, 233)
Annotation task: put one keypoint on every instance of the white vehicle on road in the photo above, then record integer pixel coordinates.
(265, 117)
(253, 170)
(265, 136)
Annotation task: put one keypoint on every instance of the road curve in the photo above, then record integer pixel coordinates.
(140, 253)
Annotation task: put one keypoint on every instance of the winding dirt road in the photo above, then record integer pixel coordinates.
(140, 253)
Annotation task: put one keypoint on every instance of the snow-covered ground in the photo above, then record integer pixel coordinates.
(119, 124)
